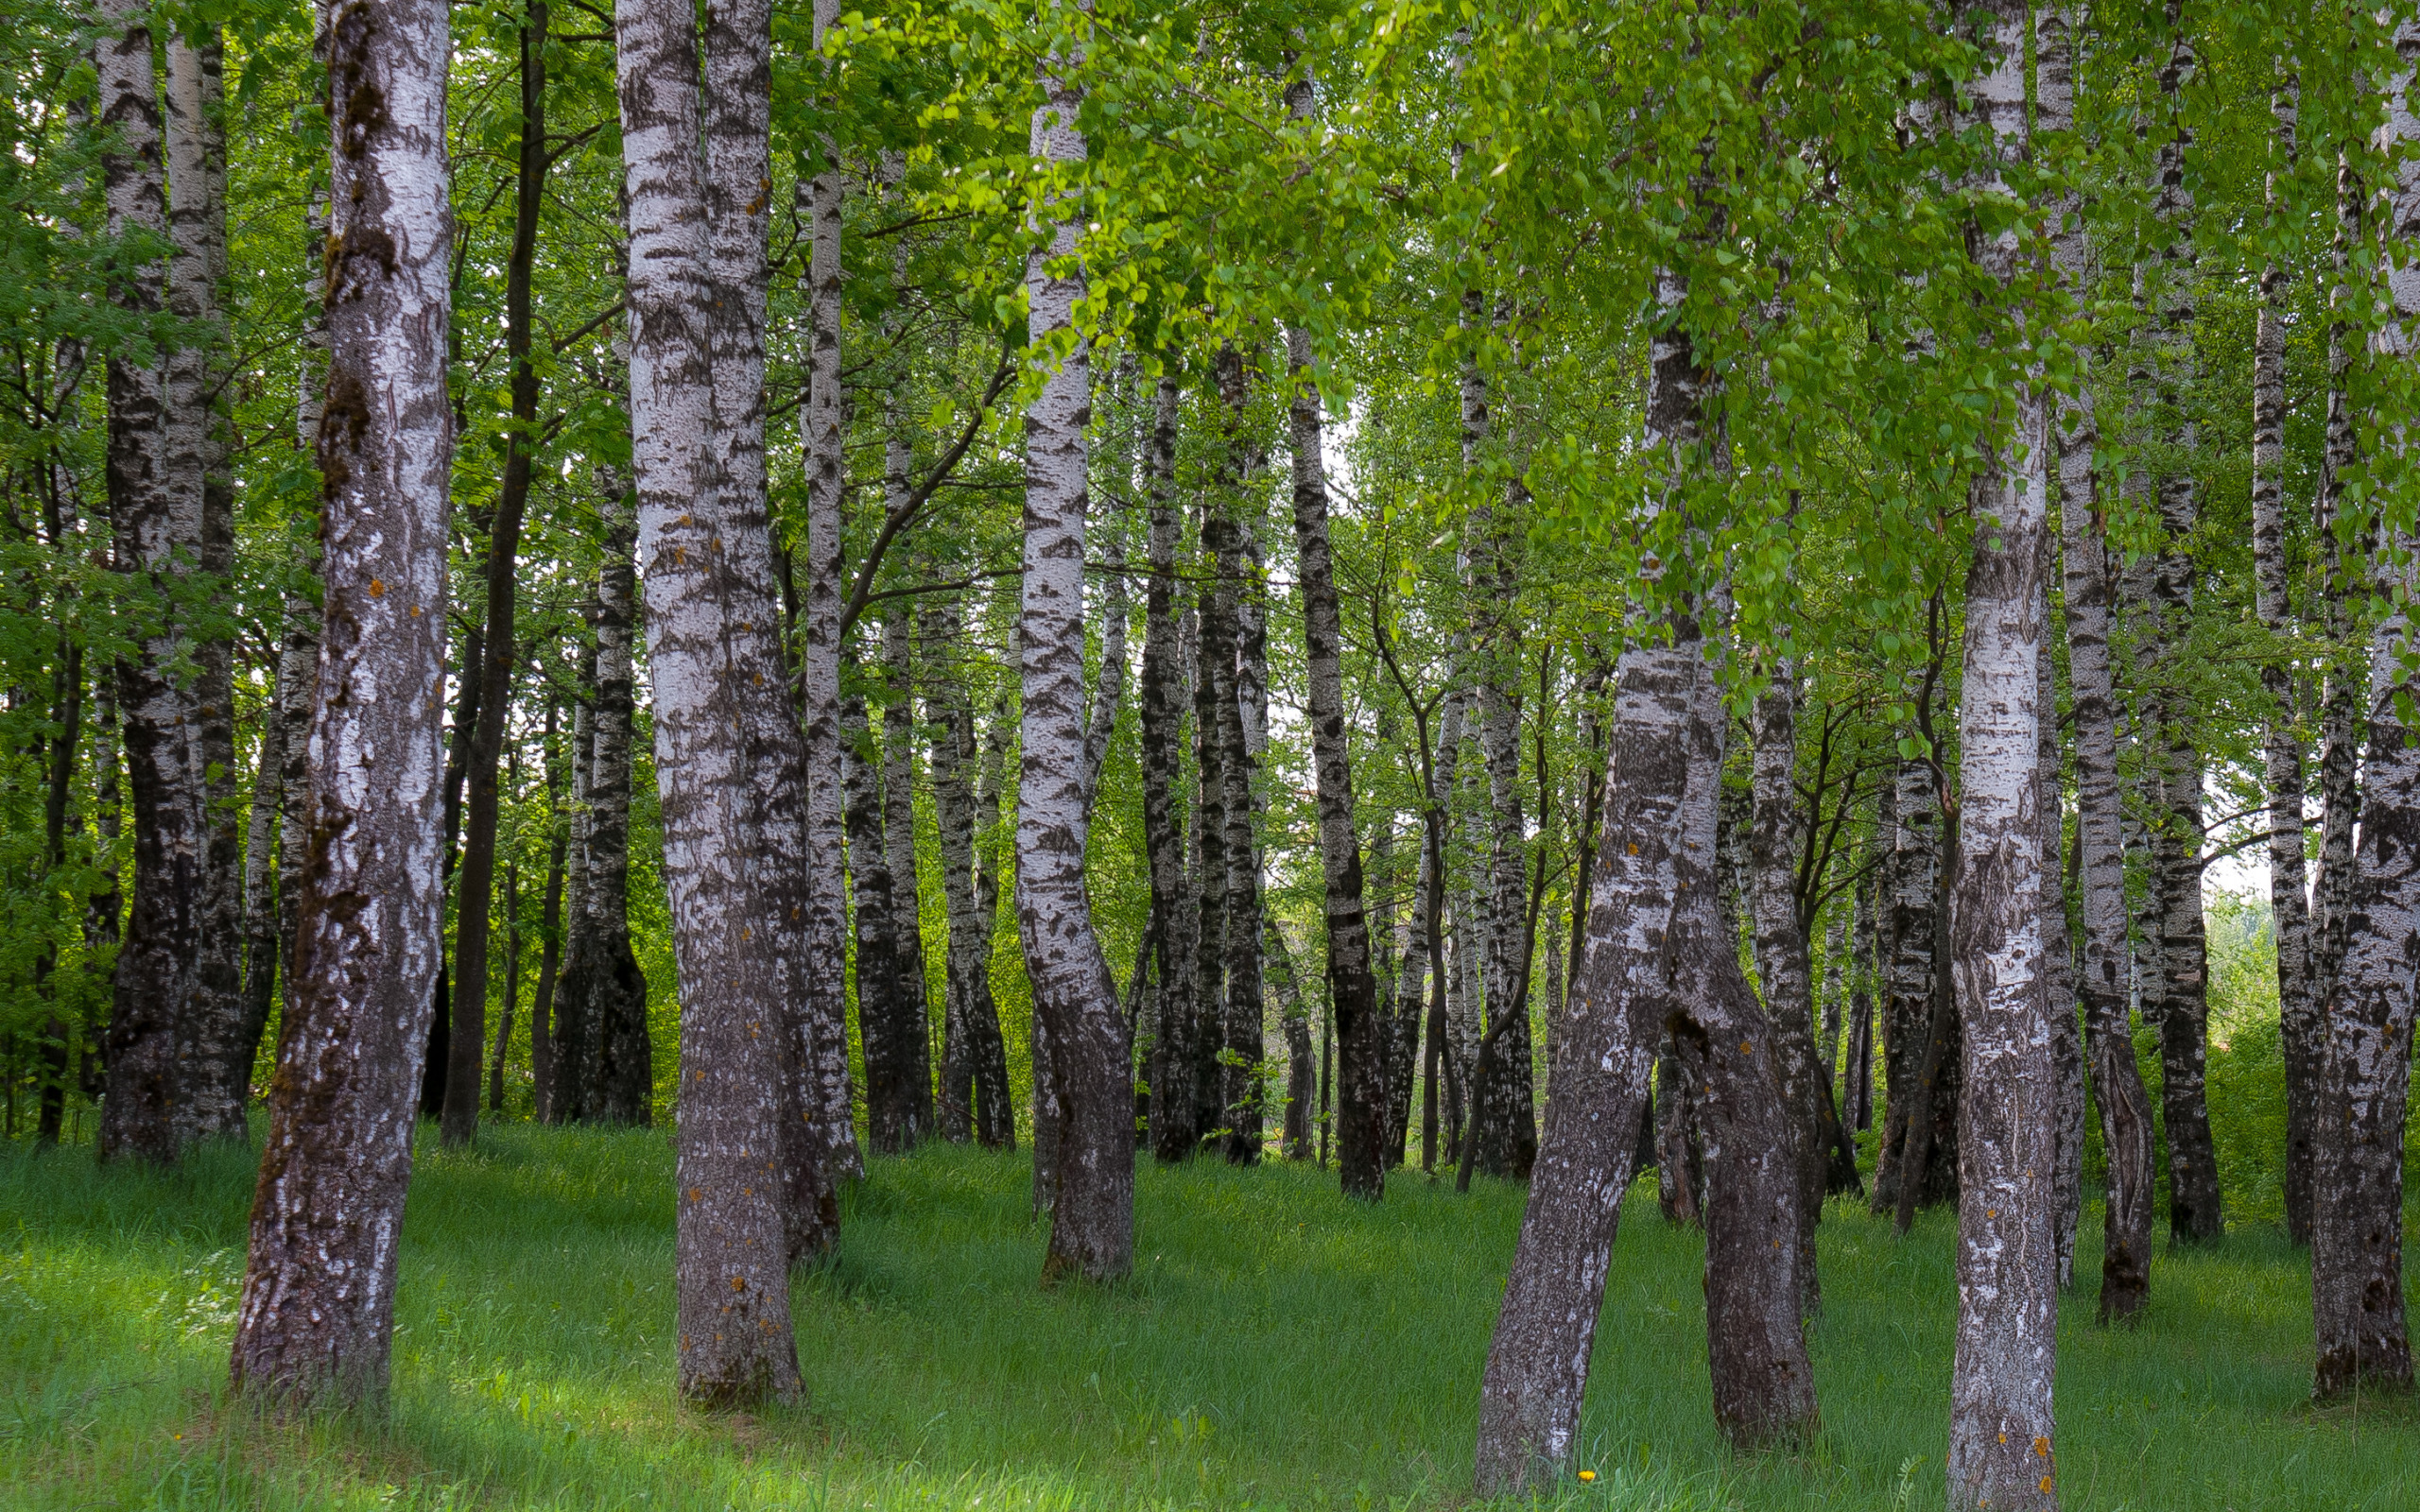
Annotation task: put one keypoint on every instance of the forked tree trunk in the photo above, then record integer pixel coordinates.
(319, 1288)
(1361, 1031)
(154, 504)
(1537, 1366)
(1092, 1212)
(727, 752)
(1173, 909)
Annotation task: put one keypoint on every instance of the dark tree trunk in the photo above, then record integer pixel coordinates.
(457, 769)
(1910, 903)
(1680, 1160)
(995, 1115)
(1301, 1062)
(968, 956)
(1240, 1011)
(475, 896)
(550, 929)
(318, 1290)
(512, 986)
(1361, 1031)
(882, 1028)
(899, 848)
(1214, 650)
(261, 934)
(1173, 909)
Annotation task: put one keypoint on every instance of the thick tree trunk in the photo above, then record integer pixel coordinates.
(2364, 1341)
(319, 1289)
(822, 1016)
(1174, 912)
(1092, 1212)
(727, 752)
(2340, 708)
(1361, 1031)
(155, 505)
(2300, 1033)
(1783, 968)
(475, 897)
(899, 849)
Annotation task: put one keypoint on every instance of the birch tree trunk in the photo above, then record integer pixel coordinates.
(1907, 972)
(1092, 1212)
(216, 1051)
(1361, 1031)
(575, 1036)
(261, 933)
(995, 1116)
(605, 980)
(2001, 1414)
(2299, 1031)
(2058, 953)
(1783, 968)
(319, 1287)
(1213, 660)
(1659, 800)
(1241, 1010)
(1174, 911)
(882, 1028)
(154, 502)
(2364, 1341)
(727, 755)
(542, 1004)
(822, 1046)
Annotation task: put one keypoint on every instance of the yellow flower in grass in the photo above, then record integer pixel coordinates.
(1587, 1475)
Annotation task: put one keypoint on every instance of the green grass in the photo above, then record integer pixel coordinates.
(1276, 1348)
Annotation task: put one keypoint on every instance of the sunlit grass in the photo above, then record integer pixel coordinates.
(1276, 1348)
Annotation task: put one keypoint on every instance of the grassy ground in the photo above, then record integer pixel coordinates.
(1276, 1348)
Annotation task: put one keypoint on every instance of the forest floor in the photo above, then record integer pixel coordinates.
(1276, 1348)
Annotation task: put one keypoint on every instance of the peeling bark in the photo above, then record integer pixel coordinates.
(319, 1288)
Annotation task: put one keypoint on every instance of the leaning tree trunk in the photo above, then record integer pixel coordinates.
(215, 1053)
(319, 1286)
(1092, 1212)
(473, 899)
(2300, 1033)
(155, 506)
(1783, 968)
(727, 752)
(1537, 1366)
(2090, 597)
(822, 1046)
(1174, 1133)
(2365, 1090)
(1361, 1033)
(2000, 1417)
(602, 985)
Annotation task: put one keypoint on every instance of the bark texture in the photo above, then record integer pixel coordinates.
(726, 749)
(1783, 968)
(319, 1287)
(1091, 1212)
(1174, 917)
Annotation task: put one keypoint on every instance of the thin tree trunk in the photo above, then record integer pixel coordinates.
(727, 752)
(2058, 945)
(512, 984)
(261, 933)
(319, 1289)
(458, 770)
(541, 1006)
(1856, 1081)
(1213, 688)
(1301, 1062)
(475, 897)
(2299, 1031)
(602, 977)
(2340, 708)
(154, 504)
(1783, 968)
(822, 1046)
(952, 732)
(1907, 972)
(574, 1035)
(899, 848)
(995, 1115)
(889, 1041)
(1174, 1133)
(1240, 1009)
(1362, 1103)
(1092, 1212)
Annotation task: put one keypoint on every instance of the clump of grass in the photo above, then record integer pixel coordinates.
(1276, 1348)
